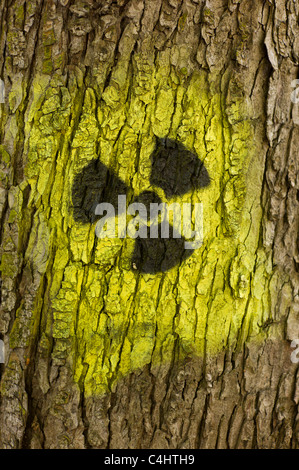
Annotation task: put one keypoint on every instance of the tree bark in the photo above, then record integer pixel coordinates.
(98, 353)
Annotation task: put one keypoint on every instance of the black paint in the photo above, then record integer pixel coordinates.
(177, 170)
(94, 185)
(174, 169)
(147, 198)
(159, 255)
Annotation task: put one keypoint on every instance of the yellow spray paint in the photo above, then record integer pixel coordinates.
(107, 319)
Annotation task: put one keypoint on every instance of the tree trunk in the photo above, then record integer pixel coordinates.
(105, 348)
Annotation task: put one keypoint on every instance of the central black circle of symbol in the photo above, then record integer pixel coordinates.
(175, 169)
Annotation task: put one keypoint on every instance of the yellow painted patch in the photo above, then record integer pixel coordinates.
(106, 318)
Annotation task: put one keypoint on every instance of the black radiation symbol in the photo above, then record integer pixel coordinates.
(174, 169)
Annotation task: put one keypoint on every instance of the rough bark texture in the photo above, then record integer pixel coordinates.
(98, 354)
